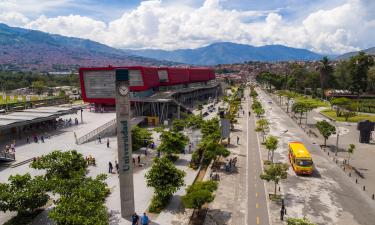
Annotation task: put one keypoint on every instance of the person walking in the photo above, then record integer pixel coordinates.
(99, 139)
(135, 219)
(117, 167)
(238, 140)
(144, 219)
(42, 138)
(282, 212)
(110, 167)
(133, 161)
(139, 160)
(27, 140)
(108, 143)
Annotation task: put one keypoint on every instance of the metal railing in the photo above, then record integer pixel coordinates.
(7, 156)
(94, 133)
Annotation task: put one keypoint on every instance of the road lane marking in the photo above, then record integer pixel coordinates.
(257, 205)
(258, 220)
(256, 194)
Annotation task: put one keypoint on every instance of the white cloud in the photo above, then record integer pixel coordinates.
(13, 18)
(170, 26)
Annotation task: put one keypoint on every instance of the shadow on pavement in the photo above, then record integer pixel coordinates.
(218, 217)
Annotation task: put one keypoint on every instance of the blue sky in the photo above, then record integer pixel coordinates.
(111, 9)
(324, 26)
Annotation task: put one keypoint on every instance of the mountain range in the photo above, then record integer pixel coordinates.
(31, 50)
(227, 53)
(369, 51)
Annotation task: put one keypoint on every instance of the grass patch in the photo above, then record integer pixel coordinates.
(359, 117)
(23, 218)
(312, 101)
(275, 198)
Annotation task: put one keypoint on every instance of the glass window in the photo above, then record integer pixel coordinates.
(163, 75)
(135, 78)
(304, 162)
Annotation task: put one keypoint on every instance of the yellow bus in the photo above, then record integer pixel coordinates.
(300, 158)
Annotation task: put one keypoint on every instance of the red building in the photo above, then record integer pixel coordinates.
(98, 84)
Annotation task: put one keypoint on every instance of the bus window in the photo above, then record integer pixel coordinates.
(301, 162)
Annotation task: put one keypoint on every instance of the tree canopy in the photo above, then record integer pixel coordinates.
(139, 135)
(164, 177)
(172, 142)
(275, 172)
(199, 193)
(325, 129)
(23, 193)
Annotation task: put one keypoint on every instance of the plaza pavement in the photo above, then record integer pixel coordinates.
(329, 196)
(63, 139)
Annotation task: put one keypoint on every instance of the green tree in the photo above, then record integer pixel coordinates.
(262, 126)
(38, 86)
(359, 66)
(194, 121)
(301, 108)
(350, 152)
(350, 111)
(62, 93)
(23, 193)
(198, 194)
(172, 142)
(275, 172)
(212, 149)
(139, 135)
(340, 104)
(271, 145)
(211, 128)
(259, 112)
(81, 199)
(178, 125)
(325, 129)
(326, 74)
(85, 204)
(165, 178)
(298, 221)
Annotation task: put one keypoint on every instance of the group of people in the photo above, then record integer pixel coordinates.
(36, 139)
(110, 167)
(11, 148)
(143, 220)
(67, 122)
(231, 164)
(90, 160)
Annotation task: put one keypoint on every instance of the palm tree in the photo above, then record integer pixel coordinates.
(325, 70)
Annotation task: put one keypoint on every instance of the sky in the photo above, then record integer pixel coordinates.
(323, 26)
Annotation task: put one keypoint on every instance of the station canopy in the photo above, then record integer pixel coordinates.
(36, 115)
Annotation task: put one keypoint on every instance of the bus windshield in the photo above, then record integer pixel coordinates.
(303, 162)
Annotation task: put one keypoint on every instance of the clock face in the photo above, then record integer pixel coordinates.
(123, 90)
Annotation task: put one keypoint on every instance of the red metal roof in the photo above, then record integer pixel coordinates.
(175, 76)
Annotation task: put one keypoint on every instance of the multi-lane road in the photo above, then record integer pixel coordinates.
(328, 197)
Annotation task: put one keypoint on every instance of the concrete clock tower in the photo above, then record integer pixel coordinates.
(124, 146)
